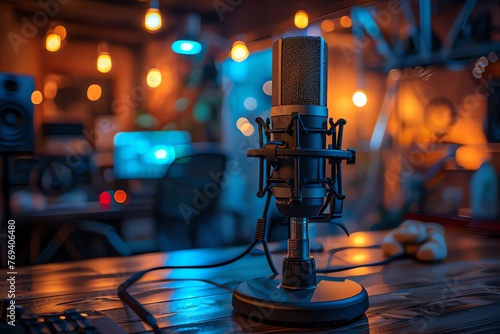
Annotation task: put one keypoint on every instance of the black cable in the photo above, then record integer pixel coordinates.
(268, 257)
(140, 310)
(372, 264)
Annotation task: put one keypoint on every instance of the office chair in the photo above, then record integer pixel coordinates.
(187, 201)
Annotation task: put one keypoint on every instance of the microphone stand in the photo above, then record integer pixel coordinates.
(299, 269)
(298, 297)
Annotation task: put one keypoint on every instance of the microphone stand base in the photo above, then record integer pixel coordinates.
(332, 302)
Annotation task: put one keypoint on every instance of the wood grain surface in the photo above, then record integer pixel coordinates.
(460, 294)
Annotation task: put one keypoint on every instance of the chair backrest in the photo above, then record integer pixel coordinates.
(186, 197)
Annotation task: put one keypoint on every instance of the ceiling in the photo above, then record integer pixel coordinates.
(120, 21)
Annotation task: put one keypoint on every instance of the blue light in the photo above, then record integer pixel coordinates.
(186, 47)
(162, 154)
(146, 154)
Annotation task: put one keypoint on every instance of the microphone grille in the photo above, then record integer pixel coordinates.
(300, 69)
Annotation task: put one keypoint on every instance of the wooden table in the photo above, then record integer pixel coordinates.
(461, 294)
(67, 218)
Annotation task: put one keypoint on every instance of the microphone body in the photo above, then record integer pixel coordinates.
(300, 67)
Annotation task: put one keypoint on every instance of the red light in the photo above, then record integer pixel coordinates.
(105, 198)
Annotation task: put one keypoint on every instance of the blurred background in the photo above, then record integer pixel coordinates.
(122, 92)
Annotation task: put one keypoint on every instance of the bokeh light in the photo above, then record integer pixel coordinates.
(186, 47)
(327, 26)
(104, 63)
(241, 121)
(239, 51)
(94, 92)
(36, 97)
(247, 129)
(267, 87)
(359, 99)
(345, 21)
(301, 19)
(61, 31)
(250, 103)
(152, 19)
(50, 89)
(153, 78)
(105, 198)
(53, 42)
(120, 196)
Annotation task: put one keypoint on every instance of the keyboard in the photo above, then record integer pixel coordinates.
(68, 322)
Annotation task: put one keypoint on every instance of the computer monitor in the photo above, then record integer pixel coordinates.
(147, 154)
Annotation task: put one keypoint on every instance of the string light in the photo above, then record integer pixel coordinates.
(94, 92)
(327, 26)
(53, 42)
(153, 78)
(345, 21)
(104, 63)
(239, 51)
(152, 19)
(36, 97)
(359, 99)
(301, 19)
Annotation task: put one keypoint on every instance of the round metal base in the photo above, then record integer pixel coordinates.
(333, 301)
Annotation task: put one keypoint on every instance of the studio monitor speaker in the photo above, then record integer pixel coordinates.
(16, 113)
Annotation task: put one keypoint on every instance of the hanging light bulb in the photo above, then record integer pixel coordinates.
(239, 52)
(301, 19)
(153, 79)
(152, 19)
(188, 43)
(52, 42)
(104, 63)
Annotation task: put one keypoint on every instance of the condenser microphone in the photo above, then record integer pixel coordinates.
(296, 145)
(299, 90)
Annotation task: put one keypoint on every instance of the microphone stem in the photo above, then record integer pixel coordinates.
(299, 268)
(298, 242)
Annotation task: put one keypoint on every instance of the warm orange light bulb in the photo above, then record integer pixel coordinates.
(53, 42)
(301, 19)
(153, 78)
(239, 52)
(152, 19)
(104, 63)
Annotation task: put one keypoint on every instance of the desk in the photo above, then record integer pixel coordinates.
(66, 218)
(461, 294)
